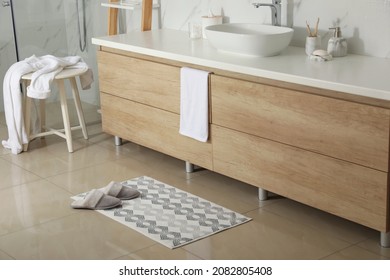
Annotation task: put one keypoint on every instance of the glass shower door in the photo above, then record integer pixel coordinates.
(7, 44)
(56, 27)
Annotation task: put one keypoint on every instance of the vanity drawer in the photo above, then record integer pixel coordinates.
(350, 131)
(143, 81)
(345, 189)
(153, 128)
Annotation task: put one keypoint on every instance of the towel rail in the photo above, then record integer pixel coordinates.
(146, 18)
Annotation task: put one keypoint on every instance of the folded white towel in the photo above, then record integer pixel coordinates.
(45, 68)
(194, 103)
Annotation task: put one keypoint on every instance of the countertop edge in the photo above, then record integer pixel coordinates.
(350, 88)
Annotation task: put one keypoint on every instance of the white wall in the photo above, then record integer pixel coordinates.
(365, 23)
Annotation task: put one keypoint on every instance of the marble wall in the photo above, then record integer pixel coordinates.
(51, 27)
(7, 47)
(365, 23)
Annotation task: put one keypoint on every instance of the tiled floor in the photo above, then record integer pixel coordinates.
(37, 222)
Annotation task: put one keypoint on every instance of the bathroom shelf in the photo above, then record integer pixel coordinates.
(130, 6)
(145, 5)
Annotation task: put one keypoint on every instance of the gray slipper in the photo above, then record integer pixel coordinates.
(96, 200)
(117, 190)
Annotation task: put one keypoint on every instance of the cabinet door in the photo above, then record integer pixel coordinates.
(348, 190)
(151, 127)
(143, 81)
(350, 131)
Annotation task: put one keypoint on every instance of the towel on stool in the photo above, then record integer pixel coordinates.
(194, 99)
(13, 107)
(45, 68)
(86, 79)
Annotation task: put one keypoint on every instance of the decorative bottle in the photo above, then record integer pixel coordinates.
(337, 45)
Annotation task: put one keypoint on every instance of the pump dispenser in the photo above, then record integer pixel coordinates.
(337, 45)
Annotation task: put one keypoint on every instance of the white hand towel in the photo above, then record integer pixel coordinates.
(194, 103)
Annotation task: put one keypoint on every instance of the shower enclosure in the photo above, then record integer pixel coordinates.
(56, 27)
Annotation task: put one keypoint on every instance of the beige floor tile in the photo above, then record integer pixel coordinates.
(127, 149)
(373, 246)
(4, 256)
(153, 164)
(13, 175)
(160, 252)
(267, 236)
(98, 175)
(40, 162)
(97, 136)
(237, 195)
(84, 235)
(3, 136)
(36, 221)
(32, 204)
(56, 145)
(89, 156)
(163, 164)
(321, 221)
(44, 162)
(355, 253)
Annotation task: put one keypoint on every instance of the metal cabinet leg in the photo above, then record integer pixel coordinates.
(385, 239)
(118, 141)
(263, 194)
(189, 167)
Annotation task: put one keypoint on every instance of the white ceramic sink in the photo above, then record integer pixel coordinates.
(249, 38)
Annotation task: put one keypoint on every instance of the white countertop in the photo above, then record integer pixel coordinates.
(359, 75)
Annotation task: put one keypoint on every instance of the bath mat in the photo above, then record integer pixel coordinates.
(169, 215)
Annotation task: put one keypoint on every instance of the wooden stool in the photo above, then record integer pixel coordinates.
(71, 75)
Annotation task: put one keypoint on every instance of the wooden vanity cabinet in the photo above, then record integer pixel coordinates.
(316, 148)
(140, 102)
(350, 131)
(328, 153)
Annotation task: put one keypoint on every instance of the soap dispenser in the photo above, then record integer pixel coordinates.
(337, 45)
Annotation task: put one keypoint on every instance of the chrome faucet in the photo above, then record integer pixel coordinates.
(276, 8)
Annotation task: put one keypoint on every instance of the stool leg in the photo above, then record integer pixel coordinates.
(65, 115)
(79, 109)
(27, 121)
(42, 115)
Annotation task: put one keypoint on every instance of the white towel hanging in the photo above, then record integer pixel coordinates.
(194, 99)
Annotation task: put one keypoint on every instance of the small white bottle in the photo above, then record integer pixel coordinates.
(337, 45)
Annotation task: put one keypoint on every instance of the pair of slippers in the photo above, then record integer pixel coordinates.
(107, 197)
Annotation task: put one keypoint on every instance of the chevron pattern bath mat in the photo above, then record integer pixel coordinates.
(171, 216)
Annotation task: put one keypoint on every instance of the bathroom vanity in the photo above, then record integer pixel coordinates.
(314, 132)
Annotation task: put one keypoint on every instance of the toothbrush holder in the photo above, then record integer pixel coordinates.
(312, 44)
